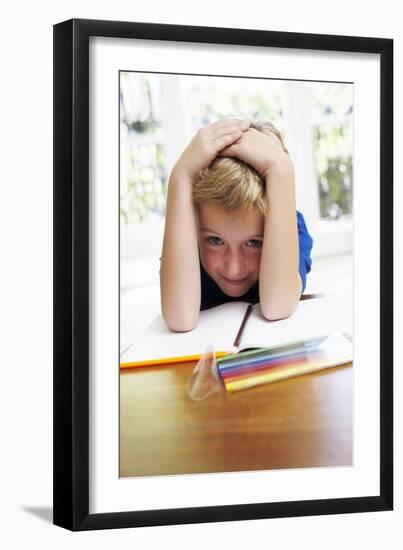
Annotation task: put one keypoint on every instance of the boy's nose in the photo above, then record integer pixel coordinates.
(234, 265)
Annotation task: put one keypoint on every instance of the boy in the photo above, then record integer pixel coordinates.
(232, 231)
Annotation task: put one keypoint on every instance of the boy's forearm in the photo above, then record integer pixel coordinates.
(180, 270)
(280, 284)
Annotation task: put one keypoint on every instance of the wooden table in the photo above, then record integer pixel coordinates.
(297, 423)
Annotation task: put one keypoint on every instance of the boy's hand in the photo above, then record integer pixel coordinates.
(206, 145)
(259, 150)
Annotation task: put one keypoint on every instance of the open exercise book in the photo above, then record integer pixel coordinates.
(220, 326)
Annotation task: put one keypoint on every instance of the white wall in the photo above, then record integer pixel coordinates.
(26, 217)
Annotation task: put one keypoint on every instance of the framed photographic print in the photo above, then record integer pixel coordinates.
(223, 274)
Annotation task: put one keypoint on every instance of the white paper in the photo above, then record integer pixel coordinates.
(312, 318)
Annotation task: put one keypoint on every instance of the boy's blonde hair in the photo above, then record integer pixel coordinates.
(232, 184)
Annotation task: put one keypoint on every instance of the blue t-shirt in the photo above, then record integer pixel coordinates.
(212, 295)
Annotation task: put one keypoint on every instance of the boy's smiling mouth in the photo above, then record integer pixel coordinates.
(234, 281)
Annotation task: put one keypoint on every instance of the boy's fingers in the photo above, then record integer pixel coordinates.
(232, 133)
(222, 125)
(229, 130)
(227, 141)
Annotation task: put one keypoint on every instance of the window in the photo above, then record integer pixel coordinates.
(214, 98)
(142, 156)
(332, 127)
(319, 128)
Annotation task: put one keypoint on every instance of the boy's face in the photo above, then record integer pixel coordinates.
(230, 247)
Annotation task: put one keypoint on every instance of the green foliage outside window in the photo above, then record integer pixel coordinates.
(332, 130)
(142, 157)
(144, 190)
(334, 172)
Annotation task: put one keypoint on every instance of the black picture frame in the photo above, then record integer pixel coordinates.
(71, 273)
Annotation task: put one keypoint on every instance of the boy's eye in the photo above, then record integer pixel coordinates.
(214, 241)
(254, 243)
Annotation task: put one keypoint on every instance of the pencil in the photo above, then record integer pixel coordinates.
(246, 317)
